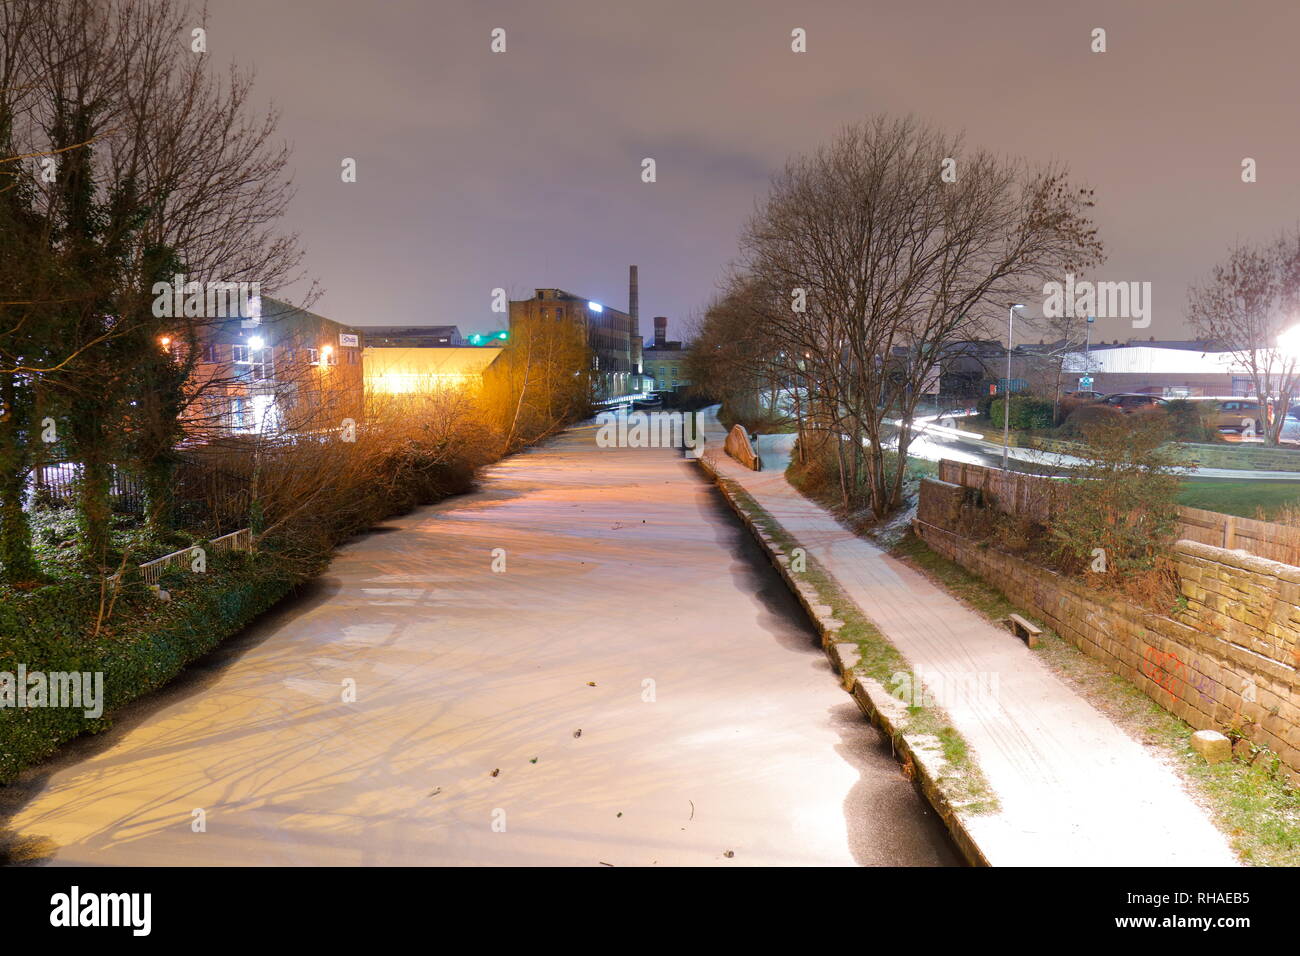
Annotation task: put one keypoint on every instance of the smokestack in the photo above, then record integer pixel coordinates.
(661, 331)
(633, 302)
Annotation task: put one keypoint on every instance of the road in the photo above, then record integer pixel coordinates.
(636, 687)
(935, 443)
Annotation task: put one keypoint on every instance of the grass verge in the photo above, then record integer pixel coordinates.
(1243, 497)
(1252, 805)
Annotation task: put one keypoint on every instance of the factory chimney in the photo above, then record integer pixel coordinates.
(632, 300)
(661, 331)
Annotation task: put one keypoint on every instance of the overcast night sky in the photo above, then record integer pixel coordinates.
(522, 169)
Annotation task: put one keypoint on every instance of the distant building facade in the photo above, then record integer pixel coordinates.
(405, 371)
(611, 335)
(664, 362)
(1171, 370)
(414, 336)
(279, 369)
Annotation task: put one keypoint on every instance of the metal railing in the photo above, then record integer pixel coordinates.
(152, 571)
(56, 483)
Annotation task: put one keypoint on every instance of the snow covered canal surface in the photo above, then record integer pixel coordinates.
(587, 661)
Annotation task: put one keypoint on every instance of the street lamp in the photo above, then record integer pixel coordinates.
(1006, 399)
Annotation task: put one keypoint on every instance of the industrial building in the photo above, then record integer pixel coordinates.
(664, 361)
(612, 335)
(405, 371)
(414, 336)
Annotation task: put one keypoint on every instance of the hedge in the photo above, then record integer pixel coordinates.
(1027, 413)
(148, 643)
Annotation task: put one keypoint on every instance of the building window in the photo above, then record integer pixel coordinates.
(313, 356)
(239, 354)
(258, 362)
(352, 356)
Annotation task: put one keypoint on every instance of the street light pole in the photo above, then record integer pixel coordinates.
(1006, 399)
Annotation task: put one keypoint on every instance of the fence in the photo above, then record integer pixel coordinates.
(1011, 492)
(151, 571)
(56, 483)
(214, 488)
(211, 494)
(1264, 539)
(1035, 496)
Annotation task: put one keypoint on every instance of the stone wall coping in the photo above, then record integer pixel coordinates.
(1238, 558)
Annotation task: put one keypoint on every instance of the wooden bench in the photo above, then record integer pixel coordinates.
(1024, 629)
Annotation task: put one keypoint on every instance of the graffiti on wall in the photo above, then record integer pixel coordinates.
(1168, 672)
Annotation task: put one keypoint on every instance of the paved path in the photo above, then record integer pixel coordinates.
(1074, 788)
(622, 566)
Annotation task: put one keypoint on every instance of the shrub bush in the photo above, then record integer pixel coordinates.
(1086, 415)
(1190, 421)
(1121, 504)
(1027, 412)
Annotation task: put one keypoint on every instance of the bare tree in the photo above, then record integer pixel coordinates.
(157, 166)
(897, 243)
(1247, 307)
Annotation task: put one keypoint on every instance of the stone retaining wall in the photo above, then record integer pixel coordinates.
(1231, 659)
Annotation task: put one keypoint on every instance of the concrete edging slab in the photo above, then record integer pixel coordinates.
(921, 755)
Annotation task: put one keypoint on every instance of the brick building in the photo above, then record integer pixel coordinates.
(278, 370)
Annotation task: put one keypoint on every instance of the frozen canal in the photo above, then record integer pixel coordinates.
(626, 604)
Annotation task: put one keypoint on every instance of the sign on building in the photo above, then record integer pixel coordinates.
(345, 340)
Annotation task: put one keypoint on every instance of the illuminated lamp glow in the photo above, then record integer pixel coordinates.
(595, 307)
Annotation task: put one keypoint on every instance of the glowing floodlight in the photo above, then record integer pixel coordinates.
(595, 307)
(1288, 341)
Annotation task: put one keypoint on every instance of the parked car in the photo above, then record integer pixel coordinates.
(1290, 429)
(1132, 401)
(1086, 396)
(1238, 414)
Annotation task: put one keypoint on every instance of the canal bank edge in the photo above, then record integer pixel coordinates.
(921, 755)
